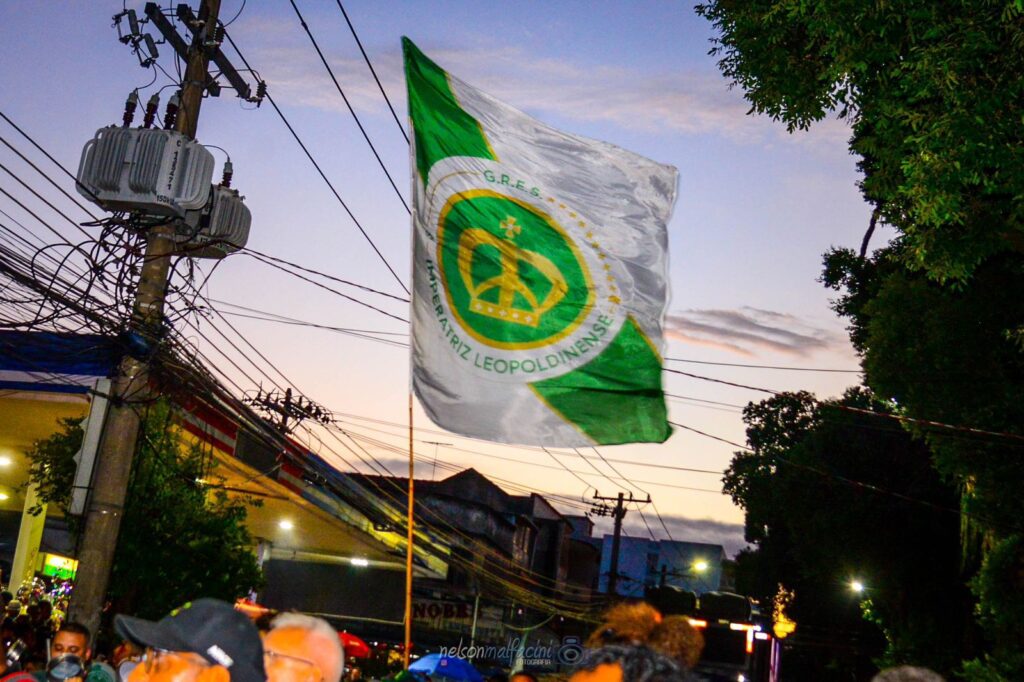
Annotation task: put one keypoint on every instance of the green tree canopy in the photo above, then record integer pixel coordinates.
(945, 355)
(933, 92)
(182, 536)
(832, 495)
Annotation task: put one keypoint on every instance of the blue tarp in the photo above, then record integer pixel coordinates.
(46, 361)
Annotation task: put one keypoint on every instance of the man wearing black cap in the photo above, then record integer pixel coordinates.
(204, 641)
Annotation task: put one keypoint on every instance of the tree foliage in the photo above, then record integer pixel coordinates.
(828, 498)
(933, 94)
(53, 470)
(932, 91)
(945, 355)
(182, 536)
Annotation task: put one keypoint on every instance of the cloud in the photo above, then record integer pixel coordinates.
(683, 529)
(745, 331)
(684, 101)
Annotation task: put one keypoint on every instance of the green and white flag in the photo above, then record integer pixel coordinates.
(540, 273)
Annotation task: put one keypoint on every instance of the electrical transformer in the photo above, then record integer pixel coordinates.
(219, 228)
(145, 170)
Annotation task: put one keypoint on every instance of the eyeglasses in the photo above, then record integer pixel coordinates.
(154, 659)
(301, 664)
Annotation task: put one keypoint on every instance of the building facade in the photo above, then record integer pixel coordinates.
(643, 564)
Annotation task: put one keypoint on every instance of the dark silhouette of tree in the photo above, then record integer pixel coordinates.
(831, 496)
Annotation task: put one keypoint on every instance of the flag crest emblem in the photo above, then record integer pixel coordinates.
(513, 277)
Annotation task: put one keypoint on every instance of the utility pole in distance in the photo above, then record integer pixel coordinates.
(618, 513)
(117, 446)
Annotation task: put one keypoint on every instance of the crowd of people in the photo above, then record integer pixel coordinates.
(210, 641)
(203, 641)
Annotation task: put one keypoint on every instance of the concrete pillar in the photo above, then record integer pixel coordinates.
(30, 534)
(263, 550)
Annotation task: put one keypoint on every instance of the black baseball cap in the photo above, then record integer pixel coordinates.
(209, 627)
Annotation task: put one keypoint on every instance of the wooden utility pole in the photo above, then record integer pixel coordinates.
(131, 385)
(407, 641)
(618, 513)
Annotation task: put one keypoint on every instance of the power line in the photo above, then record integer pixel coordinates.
(41, 198)
(372, 71)
(352, 111)
(520, 593)
(843, 479)
(721, 381)
(333, 291)
(552, 605)
(43, 151)
(524, 447)
(329, 431)
(617, 472)
(708, 435)
(41, 172)
(594, 467)
(563, 467)
(340, 330)
(882, 415)
(237, 14)
(779, 367)
(277, 316)
(253, 253)
(319, 170)
(691, 403)
(32, 213)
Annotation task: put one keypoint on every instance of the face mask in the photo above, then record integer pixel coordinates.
(65, 667)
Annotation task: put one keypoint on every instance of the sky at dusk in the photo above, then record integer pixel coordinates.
(757, 208)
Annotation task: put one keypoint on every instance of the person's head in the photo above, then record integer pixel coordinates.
(302, 648)
(203, 641)
(908, 673)
(6, 598)
(633, 642)
(45, 609)
(73, 639)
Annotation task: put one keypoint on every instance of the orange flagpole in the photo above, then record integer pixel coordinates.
(408, 551)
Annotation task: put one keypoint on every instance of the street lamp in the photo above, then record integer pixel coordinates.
(700, 566)
(856, 586)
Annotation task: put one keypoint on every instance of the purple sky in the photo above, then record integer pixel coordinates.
(757, 206)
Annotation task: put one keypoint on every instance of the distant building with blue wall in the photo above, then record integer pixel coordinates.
(646, 563)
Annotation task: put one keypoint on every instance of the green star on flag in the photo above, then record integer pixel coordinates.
(539, 273)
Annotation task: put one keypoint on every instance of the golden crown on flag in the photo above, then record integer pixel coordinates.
(508, 282)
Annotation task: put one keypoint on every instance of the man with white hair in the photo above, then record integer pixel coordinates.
(302, 648)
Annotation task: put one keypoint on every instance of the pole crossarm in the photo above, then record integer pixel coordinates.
(618, 513)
